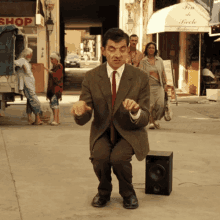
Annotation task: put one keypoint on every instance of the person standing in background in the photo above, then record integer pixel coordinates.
(152, 64)
(207, 72)
(55, 86)
(28, 85)
(134, 55)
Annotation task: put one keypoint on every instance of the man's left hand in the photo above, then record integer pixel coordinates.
(131, 105)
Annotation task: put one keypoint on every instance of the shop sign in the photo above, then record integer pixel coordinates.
(39, 20)
(181, 17)
(19, 21)
(190, 19)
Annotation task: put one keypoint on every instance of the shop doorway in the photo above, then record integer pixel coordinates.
(169, 50)
(86, 14)
(83, 17)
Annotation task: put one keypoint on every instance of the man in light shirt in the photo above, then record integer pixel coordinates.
(118, 94)
(206, 72)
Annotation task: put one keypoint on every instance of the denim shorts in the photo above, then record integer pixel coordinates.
(54, 102)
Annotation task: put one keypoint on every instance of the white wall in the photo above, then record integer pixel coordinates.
(54, 38)
(123, 19)
(73, 40)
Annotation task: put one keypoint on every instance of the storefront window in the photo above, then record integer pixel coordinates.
(31, 35)
(29, 30)
(193, 48)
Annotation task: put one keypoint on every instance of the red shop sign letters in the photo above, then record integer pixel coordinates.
(20, 22)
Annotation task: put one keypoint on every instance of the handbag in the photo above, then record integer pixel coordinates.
(168, 114)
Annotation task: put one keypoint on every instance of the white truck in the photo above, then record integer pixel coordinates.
(12, 42)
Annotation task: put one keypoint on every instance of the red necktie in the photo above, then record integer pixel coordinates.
(112, 128)
(113, 88)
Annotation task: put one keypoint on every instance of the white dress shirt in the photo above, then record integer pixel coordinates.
(118, 76)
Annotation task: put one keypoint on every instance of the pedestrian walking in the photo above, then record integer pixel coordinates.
(55, 86)
(28, 85)
(153, 65)
(119, 95)
(134, 55)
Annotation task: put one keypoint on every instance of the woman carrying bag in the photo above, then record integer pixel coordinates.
(55, 86)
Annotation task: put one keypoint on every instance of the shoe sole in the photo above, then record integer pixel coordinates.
(152, 128)
(100, 206)
(130, 207)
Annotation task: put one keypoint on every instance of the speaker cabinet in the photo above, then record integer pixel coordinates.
(159, 168)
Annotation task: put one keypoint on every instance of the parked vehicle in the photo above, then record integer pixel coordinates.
(12, 42)
(72, 60)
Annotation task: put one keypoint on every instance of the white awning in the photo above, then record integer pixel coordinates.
(181, 17)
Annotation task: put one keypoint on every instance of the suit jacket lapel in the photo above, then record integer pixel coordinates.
(124, 87)
(105, 85)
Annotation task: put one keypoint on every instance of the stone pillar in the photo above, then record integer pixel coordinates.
(98, 47)
(140, 44)
(182, 62)
(148, 11)
(182, 84)
(123, 15)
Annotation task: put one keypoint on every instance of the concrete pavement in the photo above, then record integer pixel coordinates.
(46, 174)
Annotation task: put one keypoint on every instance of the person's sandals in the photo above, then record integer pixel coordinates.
(54, 123)
(152, 126)
(156, 124)
(41, 123)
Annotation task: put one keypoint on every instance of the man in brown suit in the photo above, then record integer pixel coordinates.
(118, 93)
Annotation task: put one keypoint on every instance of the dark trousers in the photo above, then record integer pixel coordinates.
(118, 156)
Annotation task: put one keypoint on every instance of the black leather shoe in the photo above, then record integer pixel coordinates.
(100, 201)
(130, 202)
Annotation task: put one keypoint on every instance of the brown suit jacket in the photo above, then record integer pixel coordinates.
(96, 92)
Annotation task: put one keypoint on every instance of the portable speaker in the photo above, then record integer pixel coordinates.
(159, 168)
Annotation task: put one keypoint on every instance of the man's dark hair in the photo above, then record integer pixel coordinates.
(133, 35)
(153, 43)
(116, 35)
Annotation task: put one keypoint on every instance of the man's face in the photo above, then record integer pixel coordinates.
(54, 61)
(133, 41)
(115, 53)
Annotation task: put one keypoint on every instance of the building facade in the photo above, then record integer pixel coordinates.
(186, 44)
(31, 17)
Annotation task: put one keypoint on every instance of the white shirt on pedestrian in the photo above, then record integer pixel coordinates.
(207, 72)
(28, 76)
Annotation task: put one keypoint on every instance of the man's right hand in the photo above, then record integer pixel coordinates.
(79, 108)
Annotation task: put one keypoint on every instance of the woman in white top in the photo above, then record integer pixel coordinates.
(153, 65)
(33, 103)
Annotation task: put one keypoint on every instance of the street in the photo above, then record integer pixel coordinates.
(46, 173)
(74, 76)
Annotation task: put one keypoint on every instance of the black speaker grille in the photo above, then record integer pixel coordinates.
(157, 172)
